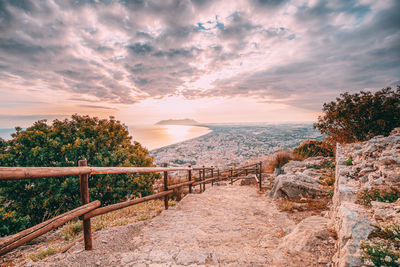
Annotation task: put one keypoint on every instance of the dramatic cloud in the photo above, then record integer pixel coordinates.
(299, 53)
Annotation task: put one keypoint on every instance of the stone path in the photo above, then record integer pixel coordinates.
(224, 226)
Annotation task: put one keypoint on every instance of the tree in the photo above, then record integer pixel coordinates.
(61, 144)
(360, 116)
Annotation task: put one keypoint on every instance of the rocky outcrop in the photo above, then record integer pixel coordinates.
(310, 239)
(305, 166)
(308, 233)
(300, 179)
(295, 186)
(361, 167)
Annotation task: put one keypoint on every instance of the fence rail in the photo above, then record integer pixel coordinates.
(88, 209)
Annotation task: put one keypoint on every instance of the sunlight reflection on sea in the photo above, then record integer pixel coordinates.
(156, 136)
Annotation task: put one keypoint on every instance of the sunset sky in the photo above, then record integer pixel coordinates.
(213, 61)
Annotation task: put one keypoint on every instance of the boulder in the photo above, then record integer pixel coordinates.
(307, 234)
(248, 180)
(351, 227)
(295, 186)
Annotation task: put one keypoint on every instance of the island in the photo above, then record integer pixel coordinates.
(178, 122)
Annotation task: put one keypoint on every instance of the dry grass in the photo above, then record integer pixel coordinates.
(329, 180)
(43, 254)
(304, 204)
(287, 205)
(276, 160)
(178, 192)
(139, 212)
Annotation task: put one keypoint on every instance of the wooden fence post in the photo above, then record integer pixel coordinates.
(212, 175)
(200, 172)
(165, 187)
(231, 176)
(204, 177)
(260, 178)
(218, 175)
(84, 186)
(190, 179)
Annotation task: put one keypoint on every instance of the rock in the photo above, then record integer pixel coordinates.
(248, 180)
(385, 211)
(395, 132)
(351, 228)
(325, 214)
(294, 186)
(307, 234)
(375, 164)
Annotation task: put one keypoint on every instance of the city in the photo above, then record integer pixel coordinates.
(229, 145)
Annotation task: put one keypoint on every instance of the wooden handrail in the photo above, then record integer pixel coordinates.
(124, 204)
(18, 173)
(27, 235)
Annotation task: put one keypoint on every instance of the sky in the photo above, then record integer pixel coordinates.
(212, 61)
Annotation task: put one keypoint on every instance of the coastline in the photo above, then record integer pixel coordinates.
(186, 140)
(154, 137)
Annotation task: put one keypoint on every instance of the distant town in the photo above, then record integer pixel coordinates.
(229, 145)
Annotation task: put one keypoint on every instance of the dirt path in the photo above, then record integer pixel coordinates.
(224, 226)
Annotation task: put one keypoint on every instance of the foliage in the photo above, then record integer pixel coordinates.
(348, 162)
(329, 181)
(11, 222)
(360, 116)
(313, 148)
(383, 246)
(330, 164)
(387, 194)
(61, 144)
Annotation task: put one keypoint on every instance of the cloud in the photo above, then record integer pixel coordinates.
(300, 53)
(96, 107)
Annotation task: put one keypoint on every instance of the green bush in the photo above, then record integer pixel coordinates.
(348, 162)
(360, 116)
(386, 194)
(11, 222)
(62, 144)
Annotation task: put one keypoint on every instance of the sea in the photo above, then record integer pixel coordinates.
(150, 136)
(156, 136)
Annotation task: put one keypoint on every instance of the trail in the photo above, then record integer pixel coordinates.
(224, 226)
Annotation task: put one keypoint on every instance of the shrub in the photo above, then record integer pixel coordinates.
(348, 162)
(11, 222)
(383, 246)
(360, 116)
(103, 142)
(277, 160)
(387, 194)
(313, 148)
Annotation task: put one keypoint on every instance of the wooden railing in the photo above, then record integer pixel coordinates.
(89, 209)
(255, 168)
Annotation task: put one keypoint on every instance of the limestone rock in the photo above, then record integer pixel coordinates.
(306, 234)
(296, 185)
(375, 164)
